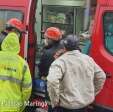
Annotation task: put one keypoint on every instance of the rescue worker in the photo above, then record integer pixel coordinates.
(52, 50)
(14, 25)
(15, 77)
(74, 80)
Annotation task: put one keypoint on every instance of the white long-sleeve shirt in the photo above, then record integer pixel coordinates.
(74, 79)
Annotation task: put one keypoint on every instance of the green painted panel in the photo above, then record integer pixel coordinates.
(64, 2)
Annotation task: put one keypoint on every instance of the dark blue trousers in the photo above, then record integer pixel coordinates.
(61, 109)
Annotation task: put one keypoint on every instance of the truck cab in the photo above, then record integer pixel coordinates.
(101, 50)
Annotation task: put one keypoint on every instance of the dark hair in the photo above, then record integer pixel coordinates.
(71, 42)
(10, 28)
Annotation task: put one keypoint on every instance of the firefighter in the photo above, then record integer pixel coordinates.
(14, 25)
(53, 49)
(15, 77)
(74, 79)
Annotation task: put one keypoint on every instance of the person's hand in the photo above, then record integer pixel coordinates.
(57, 104)
(44, 78)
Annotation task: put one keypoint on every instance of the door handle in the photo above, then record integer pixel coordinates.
(108, 75)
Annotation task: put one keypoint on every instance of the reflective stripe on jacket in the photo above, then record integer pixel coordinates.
(15, 77)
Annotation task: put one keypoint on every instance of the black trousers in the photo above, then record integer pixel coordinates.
(61, 109)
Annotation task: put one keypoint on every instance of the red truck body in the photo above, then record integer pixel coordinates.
(99, 52)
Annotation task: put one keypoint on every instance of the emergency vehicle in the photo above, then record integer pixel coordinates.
(101, 48)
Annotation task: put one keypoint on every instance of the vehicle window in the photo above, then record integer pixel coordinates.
(108, 31)
(7, 14)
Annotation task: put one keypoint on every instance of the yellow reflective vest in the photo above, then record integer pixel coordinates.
(15, 77)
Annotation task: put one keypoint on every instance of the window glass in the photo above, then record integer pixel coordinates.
(108, 31)
(5, 15)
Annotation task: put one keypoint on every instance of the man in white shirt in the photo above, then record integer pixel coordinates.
(74, 79)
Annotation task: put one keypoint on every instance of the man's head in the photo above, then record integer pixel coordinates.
(71, 42)
(52, 34)
(15, 25)
(12, 25)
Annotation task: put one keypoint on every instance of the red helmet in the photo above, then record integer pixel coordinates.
(53, 33)
(16, 23)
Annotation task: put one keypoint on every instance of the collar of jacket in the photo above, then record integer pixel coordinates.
(73, 52)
